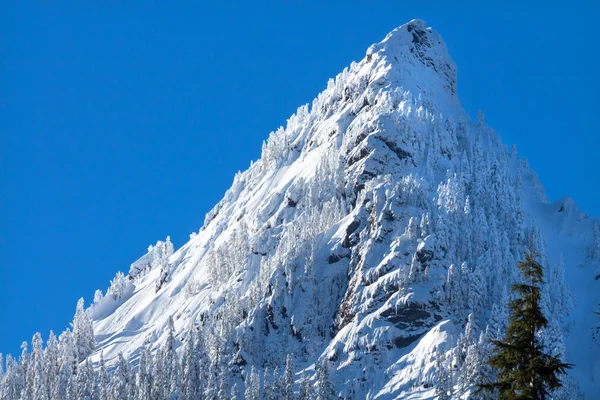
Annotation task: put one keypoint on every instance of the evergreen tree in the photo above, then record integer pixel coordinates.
(13, 381)
(85, 381)
(325, 387)
(83, 332)
(175, 382)
(102, 379)
(98, 296)
(306, 389)
(444, 379)
(52, 366)
(169, 352)
(121, 381)
(191, 368)
(118, 286)
(223, 386)
(525, 370)
(63, 383)
(235, 392)
(252, 385)
(278, 388)
(24, 361)
(36, 370)
(144, 376)
(288, 379)
(158, 376)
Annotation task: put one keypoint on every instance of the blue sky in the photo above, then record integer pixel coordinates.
(120, 125)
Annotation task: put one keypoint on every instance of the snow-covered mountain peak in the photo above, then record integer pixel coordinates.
(379, 232)
(414, 43)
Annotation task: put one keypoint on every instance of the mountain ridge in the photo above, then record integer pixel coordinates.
(379, 233)
(404, 141)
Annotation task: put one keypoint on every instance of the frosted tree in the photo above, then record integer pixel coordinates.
(158, 377)
(52, 366)
(235, 392)
(325, 387)
(24, 362)
(162, 252)
(175, 382)
(144, 375)
(306, 389)
(453, 290)
(476, 291)
(85, 381)
(35, 372)
(103, 380)
(498, 321)
(253, 385)
(63, 382)
(277, 385)
(83, 332)
(444, 380)
(480, 118)
(470, 346)
(288, 379)
(223, 385)
(64, 388)
(191, 367)
(121, 380)
(98, 296)
(170, 355)
(477, 370)
(118, 286)
(556, 294)
(13, 381)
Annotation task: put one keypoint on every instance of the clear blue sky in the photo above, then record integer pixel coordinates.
(122, 125)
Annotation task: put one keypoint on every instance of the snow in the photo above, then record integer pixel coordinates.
(358, 236)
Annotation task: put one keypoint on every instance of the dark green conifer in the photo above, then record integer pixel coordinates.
(524, 369)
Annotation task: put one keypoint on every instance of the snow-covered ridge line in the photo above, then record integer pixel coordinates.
(378, 233)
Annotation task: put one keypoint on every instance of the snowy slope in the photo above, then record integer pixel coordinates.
(373, 225)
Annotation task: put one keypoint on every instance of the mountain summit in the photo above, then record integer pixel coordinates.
(415, 43)
(378, 234)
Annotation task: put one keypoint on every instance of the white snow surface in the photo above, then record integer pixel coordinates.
(337, 243)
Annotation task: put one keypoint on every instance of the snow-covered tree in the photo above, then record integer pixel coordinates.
(118, 286)
(144, 374)
(252, 385)
(161, 253)
(52, 365)
(191, 368)
(159, 384)
(224, 389)
(235, 393)
(170, 355)
(98, 296)
(175, 381)
(13, 381)
(325, 387)
(121, 381)
(444, 379)
(25, 362)
(306, 389)
(288, 379)
(103, 380)
(85, 381)
(83, 332)
(36, 370)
